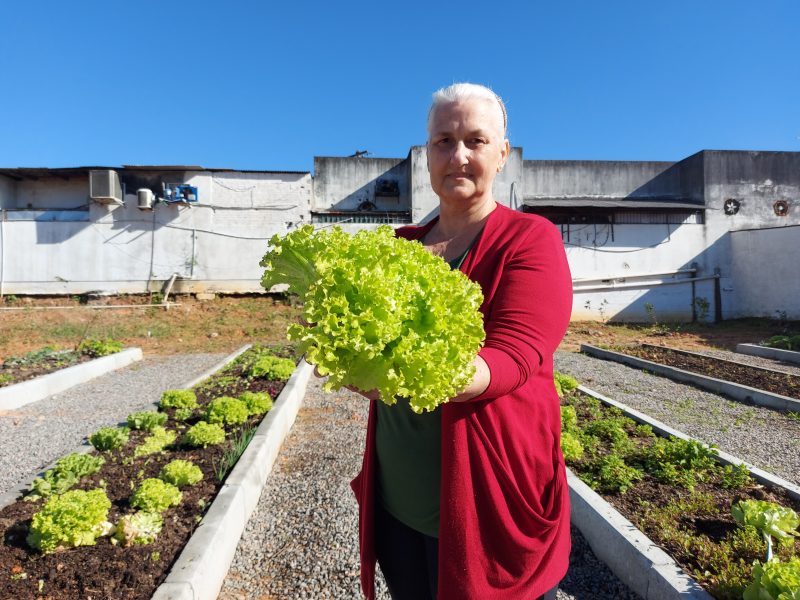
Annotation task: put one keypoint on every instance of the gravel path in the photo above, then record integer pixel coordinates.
(301, 541)
(35, 435)
(760, 436)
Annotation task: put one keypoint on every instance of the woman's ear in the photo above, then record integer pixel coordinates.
(505, 150)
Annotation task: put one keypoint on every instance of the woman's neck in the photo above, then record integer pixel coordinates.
(455, 219)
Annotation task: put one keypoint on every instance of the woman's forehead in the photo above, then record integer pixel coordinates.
(473, 114)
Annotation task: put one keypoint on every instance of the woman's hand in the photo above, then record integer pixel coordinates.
(370, 395)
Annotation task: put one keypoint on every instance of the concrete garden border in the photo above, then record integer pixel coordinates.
(789, 356)
(736, 391)
(630, 554)
(19, 394)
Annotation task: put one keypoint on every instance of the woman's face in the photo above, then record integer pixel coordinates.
(466, 149)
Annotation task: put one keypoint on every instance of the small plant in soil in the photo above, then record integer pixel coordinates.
(683, 499)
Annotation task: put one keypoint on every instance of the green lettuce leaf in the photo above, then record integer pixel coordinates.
(383, 313)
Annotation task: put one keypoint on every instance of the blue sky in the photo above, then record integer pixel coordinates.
(269, 85)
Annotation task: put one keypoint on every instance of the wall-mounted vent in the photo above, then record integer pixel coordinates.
(104, 187)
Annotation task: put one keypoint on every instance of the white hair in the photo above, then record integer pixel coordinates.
(459, 92)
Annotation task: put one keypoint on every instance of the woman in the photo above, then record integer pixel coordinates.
(471, 501)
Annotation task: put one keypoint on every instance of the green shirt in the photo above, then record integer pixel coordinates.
(409, 451)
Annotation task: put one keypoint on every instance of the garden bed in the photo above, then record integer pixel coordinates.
(768, 380)
(675, 492)
(106, 570)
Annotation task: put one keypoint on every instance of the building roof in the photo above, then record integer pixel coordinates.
(21, 173)
(611, 202)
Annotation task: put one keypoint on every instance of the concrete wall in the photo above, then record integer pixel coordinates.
(215, 244)
(766, 271)
(343, 183)
(7, 192)
(564, 178)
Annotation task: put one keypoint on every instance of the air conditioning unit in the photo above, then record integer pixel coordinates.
(104, 187)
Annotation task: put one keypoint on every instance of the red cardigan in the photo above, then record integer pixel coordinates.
(504, 524)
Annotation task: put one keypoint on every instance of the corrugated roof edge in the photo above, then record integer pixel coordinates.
(11, 171)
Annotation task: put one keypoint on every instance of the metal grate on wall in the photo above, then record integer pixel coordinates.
(648, 217)
(379, 218)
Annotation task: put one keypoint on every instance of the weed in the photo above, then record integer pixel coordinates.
(702, 307)
(229, 458)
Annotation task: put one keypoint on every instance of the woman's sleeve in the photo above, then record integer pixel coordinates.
(530, 311)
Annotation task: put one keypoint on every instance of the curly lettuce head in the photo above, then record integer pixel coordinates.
(385, 314)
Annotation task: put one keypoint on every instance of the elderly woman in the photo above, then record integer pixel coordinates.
(470, 501)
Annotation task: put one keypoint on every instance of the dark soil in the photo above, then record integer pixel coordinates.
(11, 372)
(755, 377)
(106, 571)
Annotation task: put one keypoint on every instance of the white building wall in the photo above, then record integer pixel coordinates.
(215, 244)
(767, 272)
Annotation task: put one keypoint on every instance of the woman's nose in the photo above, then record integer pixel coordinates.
(459, 153)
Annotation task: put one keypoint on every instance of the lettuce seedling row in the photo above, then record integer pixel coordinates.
(110, 571)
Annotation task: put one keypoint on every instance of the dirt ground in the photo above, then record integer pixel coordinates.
(227, 322)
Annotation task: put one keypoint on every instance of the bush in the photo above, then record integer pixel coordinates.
(154, 495)
(109, 438)
(138, 529)
(273, 368)
(257, 403)
(67, 472)
(146, 420)
(181, 473)
(159, 439)
(98, 348)
(227, 411)
(205, 434)
(178, 399)
(76, 518)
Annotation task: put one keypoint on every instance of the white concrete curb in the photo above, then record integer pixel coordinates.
(33, 390)
(789, 356)
(736, 391)
(629, 553)
(201, 568)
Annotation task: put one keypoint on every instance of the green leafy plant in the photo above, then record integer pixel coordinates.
(183, 414)
(109, 438)
(155, 495)
(257, 403)
(571, 447)
(67, 472)
(204, 434)
(569, 418)
(775, 580)
(735, 478)
(146, 420)
(564, 383)
(157, 441)
(227, 411)
(178, 399)
(784, 342)
(97, 348)
(181, 473)
(611, 474)
(234, 452)
(382, 312)
(273, 368)
(680, 462)
(76, 518)
(772, 520)
(138, 529)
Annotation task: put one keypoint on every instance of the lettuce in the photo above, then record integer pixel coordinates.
(775, 580)
(383, 313)
(769, 518)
